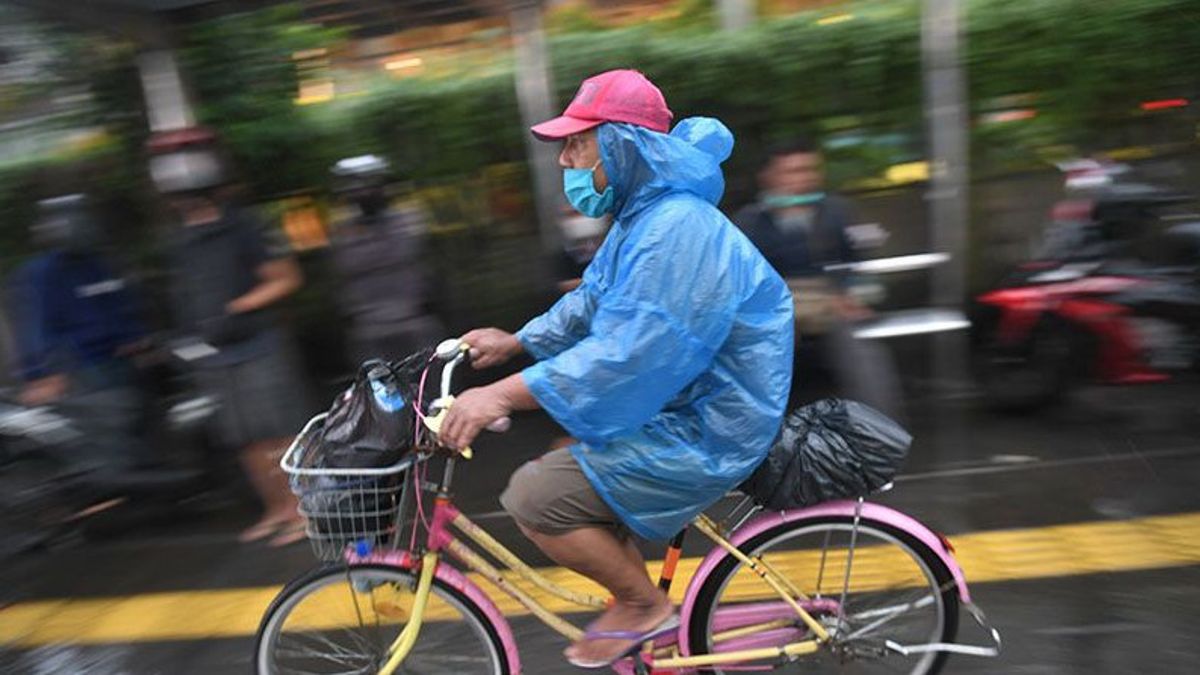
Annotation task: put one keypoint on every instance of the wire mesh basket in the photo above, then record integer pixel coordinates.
(345, 508)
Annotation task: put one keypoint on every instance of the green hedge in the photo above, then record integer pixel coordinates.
(1089, 64)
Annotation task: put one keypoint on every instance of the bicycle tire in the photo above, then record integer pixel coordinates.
(708, 596)
(295, 591)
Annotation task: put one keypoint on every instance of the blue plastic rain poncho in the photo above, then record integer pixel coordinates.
(671, 362)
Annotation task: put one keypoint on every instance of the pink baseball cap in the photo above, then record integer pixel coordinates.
(613, 96)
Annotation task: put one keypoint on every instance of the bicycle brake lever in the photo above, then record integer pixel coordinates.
(434, 424)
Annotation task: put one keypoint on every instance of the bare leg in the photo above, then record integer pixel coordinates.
(597, 554)
(261, 463)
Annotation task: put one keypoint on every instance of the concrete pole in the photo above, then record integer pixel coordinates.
(535, 97)
(167, 105)
(736, 14)
(946, 124)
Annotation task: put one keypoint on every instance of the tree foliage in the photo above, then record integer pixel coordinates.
(246, 81)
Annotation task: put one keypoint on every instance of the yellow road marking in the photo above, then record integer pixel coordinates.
(1003, 555)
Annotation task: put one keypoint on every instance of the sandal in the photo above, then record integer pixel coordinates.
(636, 638)
(290, 534)
(260, 530)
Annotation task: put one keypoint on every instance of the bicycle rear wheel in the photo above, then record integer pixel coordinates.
(897, 589)
(341, 620)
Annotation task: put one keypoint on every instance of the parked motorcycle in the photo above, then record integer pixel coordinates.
(1113, 298)
(50, 491)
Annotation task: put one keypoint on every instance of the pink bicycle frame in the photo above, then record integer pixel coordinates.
(444, 513)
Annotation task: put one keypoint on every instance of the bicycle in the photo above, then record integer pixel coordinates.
(847, 582)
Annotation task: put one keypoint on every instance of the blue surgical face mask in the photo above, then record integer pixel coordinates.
(580, 188)
(778, 201)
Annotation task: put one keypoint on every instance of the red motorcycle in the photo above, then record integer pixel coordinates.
(1114, 298)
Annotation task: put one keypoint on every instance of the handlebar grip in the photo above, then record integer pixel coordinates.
(500, 426)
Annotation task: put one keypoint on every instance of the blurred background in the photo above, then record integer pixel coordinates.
(1016, 270)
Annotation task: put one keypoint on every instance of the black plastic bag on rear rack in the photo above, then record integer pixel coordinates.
(831, 449)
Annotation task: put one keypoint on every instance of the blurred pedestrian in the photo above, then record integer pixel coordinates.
(802, 230)
(383, 266)
(581, 238)
(229, 274)
(77, 322)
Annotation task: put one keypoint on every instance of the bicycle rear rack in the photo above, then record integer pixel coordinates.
(954, 648)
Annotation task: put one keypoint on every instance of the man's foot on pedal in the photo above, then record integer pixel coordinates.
(620, 630)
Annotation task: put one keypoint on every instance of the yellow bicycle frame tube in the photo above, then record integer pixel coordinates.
(408, 637)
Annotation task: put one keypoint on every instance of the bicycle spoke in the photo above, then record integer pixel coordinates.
(887, 615)
(330, 658)
(322, 632)
(885, 588)
(326, 648)
(378, 632)
(295, 671)
(356, 668)
(924, 601)
(821, 569)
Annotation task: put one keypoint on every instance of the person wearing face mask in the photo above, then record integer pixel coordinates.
(802, 230)
(382, 265)
(77, 322)
(670, 363)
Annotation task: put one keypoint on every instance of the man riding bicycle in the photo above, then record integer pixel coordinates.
(671, 362)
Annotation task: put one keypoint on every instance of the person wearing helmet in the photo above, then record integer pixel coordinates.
(380, 256)
(229, 273)
(77, 322)
(670, 363)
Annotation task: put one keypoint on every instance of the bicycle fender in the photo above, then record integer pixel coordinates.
(846, 508)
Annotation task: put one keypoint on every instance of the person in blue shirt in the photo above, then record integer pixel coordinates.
(670, 363)
(76, 323)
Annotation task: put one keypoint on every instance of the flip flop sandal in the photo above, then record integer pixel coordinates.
(260, 531)
(289, 535)
(668, 626)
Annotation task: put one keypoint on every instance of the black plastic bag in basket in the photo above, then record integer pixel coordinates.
(831, 449)
(371, 424)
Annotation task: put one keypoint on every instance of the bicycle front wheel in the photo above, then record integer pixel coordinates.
(342, 620)
(867, 585)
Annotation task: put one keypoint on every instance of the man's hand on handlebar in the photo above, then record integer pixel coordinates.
(491, 347)
(473, 410)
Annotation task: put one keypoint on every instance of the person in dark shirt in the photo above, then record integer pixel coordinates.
(799, 228)
(230, 273)
(383, 266)
(802, 231)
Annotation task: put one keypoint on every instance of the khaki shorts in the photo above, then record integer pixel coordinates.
(551, 495)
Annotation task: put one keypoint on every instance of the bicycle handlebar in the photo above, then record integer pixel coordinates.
(455, 352)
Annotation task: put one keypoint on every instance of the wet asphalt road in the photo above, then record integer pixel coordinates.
(1111, 455)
